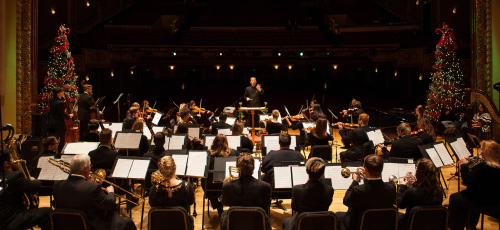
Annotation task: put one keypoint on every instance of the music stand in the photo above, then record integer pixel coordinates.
(127, 140)
(252, 111)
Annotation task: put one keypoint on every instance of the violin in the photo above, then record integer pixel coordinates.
(349, 111)
(296, 117)
(346, 125)
(201, 110)
(417, 133)
(150, 110)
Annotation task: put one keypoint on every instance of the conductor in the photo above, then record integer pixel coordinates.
(252, 97)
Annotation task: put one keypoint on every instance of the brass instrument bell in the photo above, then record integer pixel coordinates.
(346, 173)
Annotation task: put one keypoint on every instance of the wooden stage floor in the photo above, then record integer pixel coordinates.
(277, 214)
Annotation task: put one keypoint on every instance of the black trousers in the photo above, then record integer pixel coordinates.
(343, 134)
(30, 218)
(84, 129)
(460, 208)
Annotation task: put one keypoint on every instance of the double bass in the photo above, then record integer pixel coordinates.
(72, 125)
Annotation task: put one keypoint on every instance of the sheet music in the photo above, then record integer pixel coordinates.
(128, 140)
(338, 182)
(156, 129)
(197, 162)
(282, 177)
(43, 162)
(80, 147)
(434, 157)
(139, 169)
(246, 131)
(271, 143)
(122, 167)
(299, 175)
(443, 153)
(460, 148)
(176, 142)
(115, 127)
(194, 132)
(60, 175)
(229, 163)
(180, 163)
(231, 120)
(376, 136)
(67, 158)
(157, 118)
(234, 141)
(209, 140)
(255, 173)
(389, 170)
(226, 132)
(47, 173)
(405, 168)
(308, 124)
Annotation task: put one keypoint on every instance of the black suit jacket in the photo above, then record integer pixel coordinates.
(128, 122)
(77, 193)
(91, 137)
(405, 147)
(277, 157)
(358, 138)
(426, 138)
(85, 101)
(156, 155)
(246, 143)
(220, 125)
(103, 157)
(57, 114)
(247, 191)
(253, 94)
(372, 194)
(312, 196)
(11, 201)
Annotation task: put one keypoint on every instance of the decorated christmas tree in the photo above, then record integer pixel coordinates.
(444, 92)
(60, 72)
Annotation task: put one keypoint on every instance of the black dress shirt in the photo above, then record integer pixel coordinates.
(252, 93)
(405, 147)
(248, 192)
(103, 158)
(274, 127)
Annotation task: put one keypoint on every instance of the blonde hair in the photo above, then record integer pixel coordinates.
(167, 167)
(276, 113)
(491, 153)
(365, 118)
(138, 125)
(315, 168)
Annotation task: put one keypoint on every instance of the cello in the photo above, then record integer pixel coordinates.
(72, 125)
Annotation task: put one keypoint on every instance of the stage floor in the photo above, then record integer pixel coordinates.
(277, 214)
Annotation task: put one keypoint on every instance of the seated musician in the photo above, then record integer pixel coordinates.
(357, 137)
(104, 156)
(374, 193)
(482, 184)
(245, 142)
(312, 196)
(424, 191)
(192, 107)
(145, 109)
(246, 191)
(171, 191)
(419, 112)
(300, 126)
(50, 145)
(144, 145)
(219, 148)
(93, 135)
(481, 122)
(317, 113)
(274, 126)
(128, 122)
(278, 156)
(99, 205)
(319, 136)
(406, 146)
(427, 136)
(190, 142)
(13, 213)
(158, 152)
(185, 116)
(221, 124)
(358, 110)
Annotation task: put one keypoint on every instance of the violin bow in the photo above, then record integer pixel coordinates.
(154, 105)
(199, 110)
(175, 105)
(288, 113)
(300, 110)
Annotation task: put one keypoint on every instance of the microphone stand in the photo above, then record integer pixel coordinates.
(116, 102)
(234, 103)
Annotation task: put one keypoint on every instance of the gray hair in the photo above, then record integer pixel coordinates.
(78, 163)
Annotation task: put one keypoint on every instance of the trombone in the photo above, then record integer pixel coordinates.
(98, 176)
(346, 173)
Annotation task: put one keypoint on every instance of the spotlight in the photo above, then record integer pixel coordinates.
(172, 67)
(335, 66)
(276, 66)
(53, 11)
(290, 66)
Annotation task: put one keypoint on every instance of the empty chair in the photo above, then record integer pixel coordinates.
(176, 218)
(428, 218)
(317, 221)
(69, 219)
(245, 218)
(322, 151)
(379, 219)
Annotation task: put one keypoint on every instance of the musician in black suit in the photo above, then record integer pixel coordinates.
(357, 137)
(312, 196)
(78, 193)
(252, 97)
(85, 102)
(93, 135)
(133, 116)
(221, 124)
(374, 193)
(56, 126)
(159, 150)
(104, 156)
(13, 213)
(278, 156)
(482, 184)
(406, 146)
(246, 191)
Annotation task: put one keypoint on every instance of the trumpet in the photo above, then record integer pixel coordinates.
(346, 173)
(409, 177)
(234, 174)
(98, 176)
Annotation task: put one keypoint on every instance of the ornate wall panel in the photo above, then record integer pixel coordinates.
(482, 46)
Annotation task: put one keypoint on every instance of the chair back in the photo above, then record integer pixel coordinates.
(176, 218)
(325, 220)
(245, 218)
(428, 218)
(367, 150)
(322, 151)
(379, 219)
(61, 219)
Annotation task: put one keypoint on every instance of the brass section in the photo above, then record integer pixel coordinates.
(482, 53)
